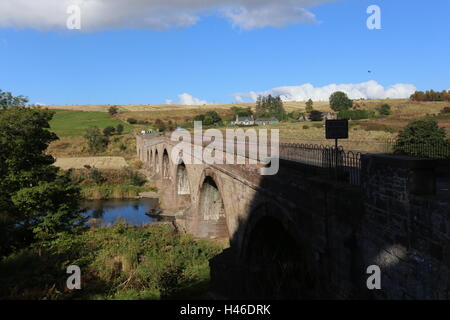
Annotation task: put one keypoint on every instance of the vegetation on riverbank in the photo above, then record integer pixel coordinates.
(99, 184)
(119, 262)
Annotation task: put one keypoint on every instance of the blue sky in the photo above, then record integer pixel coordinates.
(215, 58)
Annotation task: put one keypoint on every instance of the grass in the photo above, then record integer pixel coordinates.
(110, 184)
(74, 123)
(365, 135)
(119, 262)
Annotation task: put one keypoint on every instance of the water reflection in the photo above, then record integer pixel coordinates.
(109, 212)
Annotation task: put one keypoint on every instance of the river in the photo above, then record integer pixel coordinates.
(108, 212)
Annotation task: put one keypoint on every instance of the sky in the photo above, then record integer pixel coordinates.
(220, 51)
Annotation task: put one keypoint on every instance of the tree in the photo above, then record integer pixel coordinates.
(315, 115)
(215, 118)
(339, 101)
(119, 129)
(96, 141)
(113, 110)
(309, 106)
(160, 125)
(8, 100)
(384, 109)
(269, 106)
(421, 138)
(35, 201)
(241, 112)
(109, 131)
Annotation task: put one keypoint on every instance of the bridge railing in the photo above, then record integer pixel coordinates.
(346, 165)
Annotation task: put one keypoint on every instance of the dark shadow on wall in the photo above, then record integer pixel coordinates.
(309, 237)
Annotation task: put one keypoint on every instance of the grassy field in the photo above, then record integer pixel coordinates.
(365, 135)
(67, 123)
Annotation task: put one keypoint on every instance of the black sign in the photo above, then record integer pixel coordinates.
(336, 129)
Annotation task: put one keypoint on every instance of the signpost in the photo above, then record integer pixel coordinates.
(336, 129)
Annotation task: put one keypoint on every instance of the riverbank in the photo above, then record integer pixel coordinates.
(119, 262)
(104, 184)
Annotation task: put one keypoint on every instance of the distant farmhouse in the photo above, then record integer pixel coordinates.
(325, 116)
(266, 121)
(243, 121)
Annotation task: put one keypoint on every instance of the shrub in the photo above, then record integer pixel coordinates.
(384, 109)
(96, 141)
(109, 131)
(97, 176)
(305, 127)
(422, 138)
(113, 110)
(119, 129)
(131, 121)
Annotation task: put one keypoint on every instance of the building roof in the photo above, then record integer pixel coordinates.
(267, 119)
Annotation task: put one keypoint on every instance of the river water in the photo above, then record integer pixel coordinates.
(109, 212)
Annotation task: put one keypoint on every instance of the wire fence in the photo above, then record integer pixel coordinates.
(432, 149)
(344, 165)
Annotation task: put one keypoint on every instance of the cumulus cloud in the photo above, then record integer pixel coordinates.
(187, 100)
(364, 90)
(154, 14)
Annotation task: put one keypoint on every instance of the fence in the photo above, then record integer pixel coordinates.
(345, 165)
(432, 149)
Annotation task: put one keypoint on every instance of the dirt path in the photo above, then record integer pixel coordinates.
(97, 162)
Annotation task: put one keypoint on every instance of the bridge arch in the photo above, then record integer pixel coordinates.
(165, 165)
(210, 214)
(283, 262)
(182, 179)
(157, 167)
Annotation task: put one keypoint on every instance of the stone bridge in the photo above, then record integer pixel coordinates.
(300, 234)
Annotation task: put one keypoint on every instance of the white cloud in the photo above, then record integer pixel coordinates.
(366, 90)
(188, 100)
(153, 14)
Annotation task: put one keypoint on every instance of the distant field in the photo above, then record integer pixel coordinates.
(74, 123)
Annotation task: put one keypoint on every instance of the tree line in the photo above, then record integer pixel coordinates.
(431, 95)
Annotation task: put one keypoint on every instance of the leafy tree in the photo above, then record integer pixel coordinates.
(339, 101)
(241, 112)
(200, 117)
(96, 141)
(214, 116)
(208, 120)
(119, 129)
(384, 109)
(309, 106)
(315, 115)
(109, 131)
(160, 125)
(270, 106)
(422, 138)
(8, 100)
(35, 202)
(113, 110)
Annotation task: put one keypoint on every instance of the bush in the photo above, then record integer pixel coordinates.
(131, 121)
(113, 110)
(422, 138)
(305, 127)
(119, 129)
(97, 176)
(109, 131)
(384, 109)
(96, 141)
